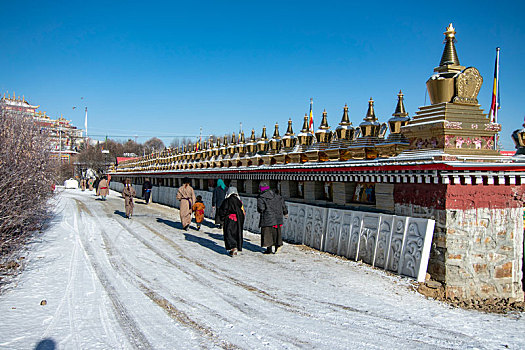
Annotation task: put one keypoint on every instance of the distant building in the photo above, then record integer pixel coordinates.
(64, 139)
(18, 106)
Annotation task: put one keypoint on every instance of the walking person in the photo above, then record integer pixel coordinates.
(198, 209)
(128, 193)
(146, 190)
(186, 196)
(219, 193)
(102, 188)
(232, 215)
(95, 186)
(272, 209)
(90, 184)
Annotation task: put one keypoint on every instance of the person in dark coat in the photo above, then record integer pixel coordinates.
(146, 190)
(95, 184)
(272, 209)
(219, 193)
(232, 214)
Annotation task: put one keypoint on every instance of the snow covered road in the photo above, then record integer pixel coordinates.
(113, 283)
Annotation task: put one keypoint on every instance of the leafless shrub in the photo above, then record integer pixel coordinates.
(26, 177)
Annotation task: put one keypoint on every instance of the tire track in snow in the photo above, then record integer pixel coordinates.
(454, 338)
(257, 291)
(130, 328)
(412, 335)
(175, 313)
(68, 292)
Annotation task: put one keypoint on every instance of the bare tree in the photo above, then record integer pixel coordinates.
(27, 172)
(154, 144)
(175, 143)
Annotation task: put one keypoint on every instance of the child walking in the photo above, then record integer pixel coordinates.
(198, 209)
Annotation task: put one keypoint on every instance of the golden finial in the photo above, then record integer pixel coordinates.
(276, 132)
(450, 56)
(370, 114)
(450, 32)
(324, 121)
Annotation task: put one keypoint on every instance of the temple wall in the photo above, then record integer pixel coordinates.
(477, 250)
(395, 243)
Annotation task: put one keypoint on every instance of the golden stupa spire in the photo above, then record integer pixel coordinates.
(371, 114)
(324, 121)
(263, 135)
(449, 59)
(305, 128)
(289, 131)
(345, 120)
(400, 108)
(276, 132)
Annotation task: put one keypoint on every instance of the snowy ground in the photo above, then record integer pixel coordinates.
(113, 283)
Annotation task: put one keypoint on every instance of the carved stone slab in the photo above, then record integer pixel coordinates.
(333, 230)
(368, 237)
(315, 226)
(251, 220)
(416, 248)
(344, 237)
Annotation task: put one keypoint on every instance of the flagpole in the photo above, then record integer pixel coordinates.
(311, 121)
(495, 103)
(86, 127)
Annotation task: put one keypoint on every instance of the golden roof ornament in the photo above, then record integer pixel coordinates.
(276, 132)
(275, 142)
(345, 131)
(289, 139)
(305, 128)
(289, 131)
(400, 116)
(449, 59)
(251, 146)
(263, 134)
(262, 144)
(370, 113)
(345, 120)
(305, 137)
(323, 134)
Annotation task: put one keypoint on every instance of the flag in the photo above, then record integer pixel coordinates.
(85, 123)
(495, 104)
(311, 118)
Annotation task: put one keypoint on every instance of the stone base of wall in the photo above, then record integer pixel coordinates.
(476, 253)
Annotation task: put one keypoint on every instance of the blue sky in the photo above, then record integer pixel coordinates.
(169, 68)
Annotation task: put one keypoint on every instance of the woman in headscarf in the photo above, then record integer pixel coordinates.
(128, 193)
(272, 209)
(186, 196)
(219, 193)
(232, 214)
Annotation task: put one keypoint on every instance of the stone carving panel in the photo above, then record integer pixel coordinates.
(333, 230)
(344, 237)
(355, 231)
(383, 240)
(416, 249)
(396, 244)
(251, 220)
(368, 238)
(315, 227)
(293, 228)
